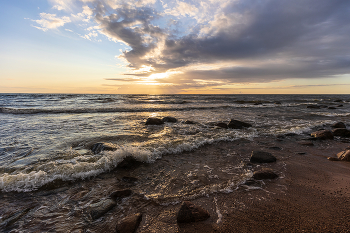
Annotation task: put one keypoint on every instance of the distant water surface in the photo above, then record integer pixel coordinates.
(46, 137)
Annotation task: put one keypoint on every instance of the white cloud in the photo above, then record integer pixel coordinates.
(51, 21)
(183, 9)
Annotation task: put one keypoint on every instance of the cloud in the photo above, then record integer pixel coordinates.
(243, 40)
(51, 21)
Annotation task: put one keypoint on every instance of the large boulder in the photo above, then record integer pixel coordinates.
(119, 194)
(98, 209)
(154, 121)
(344, 155)
(190, 212)
(129, 224)
(101, 146)
(339, 125)
(323, 134)
(262, 157)
(129, 162)
(234, 124)
(342, 132)
(169, 119)
(265, 173)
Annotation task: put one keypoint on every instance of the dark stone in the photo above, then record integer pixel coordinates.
(313, 106)
(333, 159)
(169, 119)
(234, 124)
(129, 162)
(101, 146)
(322, 134)
(189, 122)
(129, 224)
(332, 108)
(262, 157)
(98, 209)
(130, 180)
(189, 212)
(221, 125)
(117, 195)
(344, 155)
(154, 121)
(341, 132)
(265, 173)
(338, 125)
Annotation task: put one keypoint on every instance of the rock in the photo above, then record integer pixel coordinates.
(154, 121)
(333, 159)
(262, 157)
(98, 209)
(169, 119)
(189, 122)
(117, 195)
(338, 125)
(101, 146)
(130, 180)
(234, 124)
(344, 155)
(221, 125)
(190, 212)
(322, 134)
(341, 132)
(129, 162)
(332, 108)
(313, 106)
(265, 173)
(129, 224)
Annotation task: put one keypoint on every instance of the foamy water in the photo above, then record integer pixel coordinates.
(48, 137)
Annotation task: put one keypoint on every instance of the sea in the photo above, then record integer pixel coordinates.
(48, 137)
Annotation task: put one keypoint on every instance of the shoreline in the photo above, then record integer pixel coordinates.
(311, 194)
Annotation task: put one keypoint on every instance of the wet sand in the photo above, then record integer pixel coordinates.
(312, 194)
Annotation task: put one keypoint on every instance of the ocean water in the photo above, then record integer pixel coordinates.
(48, 137)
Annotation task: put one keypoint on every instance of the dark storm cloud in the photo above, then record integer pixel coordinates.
(310, 38)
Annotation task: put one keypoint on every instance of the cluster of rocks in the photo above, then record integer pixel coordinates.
(317, 106)
(339, 129)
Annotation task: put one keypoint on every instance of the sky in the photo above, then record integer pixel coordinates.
(175, 47)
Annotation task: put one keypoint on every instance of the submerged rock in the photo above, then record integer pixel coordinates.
(117, 195)
(98, 209)
(234, 124)
(342, 132)
(101, 146)
(262, 157)
(154, 121)
(265, 173)
(129, 162)
(190, 212)
(221, 125)
(344, 155)
(338, 125)
(169, 119)
(322, 134)
(129, 224)
(189, 122)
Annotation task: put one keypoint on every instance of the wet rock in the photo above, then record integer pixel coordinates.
(169, 119)
(332, 108)
(189, 122)
(262, 157)
(344, 155)
(154, 121)
(117, 195)
(99, 209)
(129, 224)
(322, 134)
(221, 125)
(341, 132)
(190, 212)
(129, 162)
(14, 218)
(234, 124)
(101, 146)
(333, 159)
(130, 180)
(338, 125)
(265, 173)
(306, 143)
